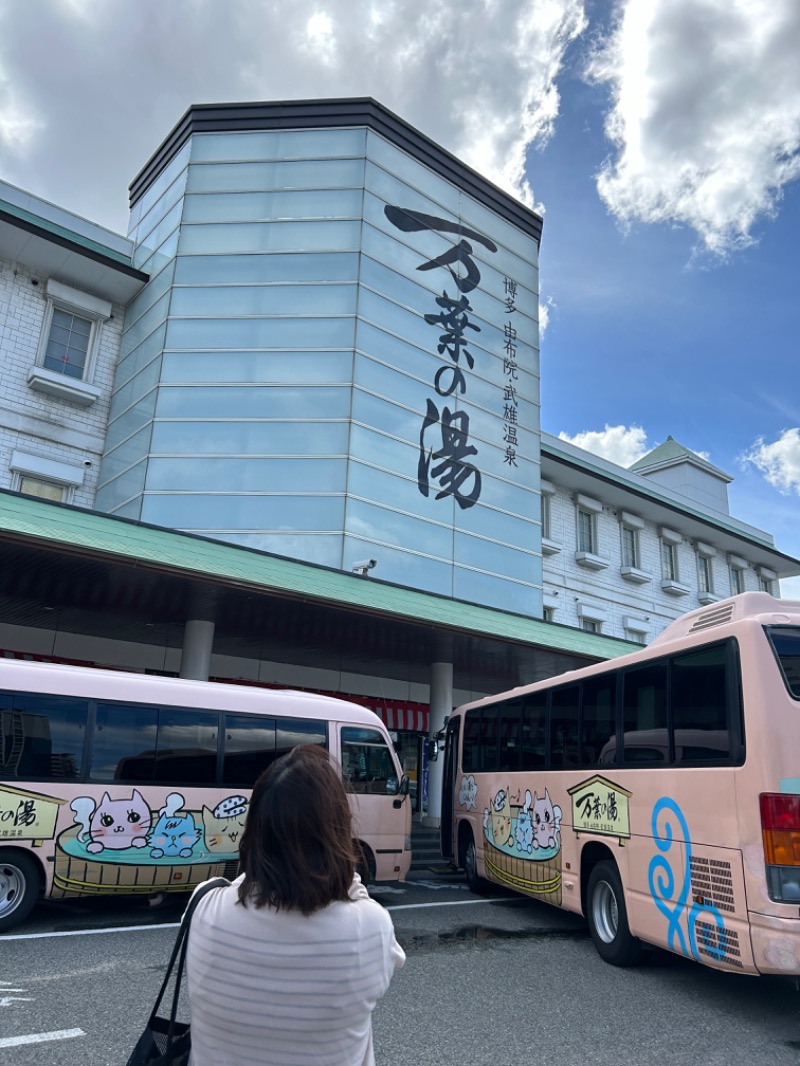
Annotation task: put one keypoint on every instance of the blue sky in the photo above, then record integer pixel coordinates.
(661, 137)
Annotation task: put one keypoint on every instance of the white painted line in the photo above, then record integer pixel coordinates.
(40, 1038)
(449, 903)
(88, 932)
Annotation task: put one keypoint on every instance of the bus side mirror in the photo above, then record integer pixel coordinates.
(435, 746)
(405, 785)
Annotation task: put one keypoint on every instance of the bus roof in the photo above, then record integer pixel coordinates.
(23, 675)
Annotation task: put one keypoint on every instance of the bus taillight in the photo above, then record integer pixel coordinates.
(780, 829)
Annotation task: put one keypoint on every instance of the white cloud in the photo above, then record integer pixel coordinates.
(622, 445)
(479, 77)
(779, 461)
(705, 115)
(546, 308)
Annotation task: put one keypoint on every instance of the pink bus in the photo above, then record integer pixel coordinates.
(115, 783)
(657, 794)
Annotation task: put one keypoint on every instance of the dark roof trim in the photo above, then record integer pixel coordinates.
(558, 457)
(63, 241)
(320, 114)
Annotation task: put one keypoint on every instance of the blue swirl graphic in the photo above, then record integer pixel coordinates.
(661, 879)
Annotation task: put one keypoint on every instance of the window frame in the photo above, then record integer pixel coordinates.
(635, 559)
(589, 519)
(669, 561)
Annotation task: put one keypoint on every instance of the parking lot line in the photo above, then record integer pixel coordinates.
(40, 1038)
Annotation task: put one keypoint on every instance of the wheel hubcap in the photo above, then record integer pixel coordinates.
(605, 912)
(12, 885)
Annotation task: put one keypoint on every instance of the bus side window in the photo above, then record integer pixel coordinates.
(249, 749)
(700, 704)
(41, 737)
(471, 752)
(598, 720)
(488, 740)
(644, 708)
(367, 762)
(564, 726)
(509, 735)
(534, 735)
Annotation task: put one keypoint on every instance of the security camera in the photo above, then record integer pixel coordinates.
(87, 462)
(364, 565)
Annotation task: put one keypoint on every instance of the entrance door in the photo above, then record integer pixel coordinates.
(449, 785)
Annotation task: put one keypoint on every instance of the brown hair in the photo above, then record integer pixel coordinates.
(297, 849)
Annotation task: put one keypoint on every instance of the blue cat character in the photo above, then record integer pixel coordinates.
(524, 829)
(175, 832)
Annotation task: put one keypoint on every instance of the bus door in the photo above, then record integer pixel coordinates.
(448, 786)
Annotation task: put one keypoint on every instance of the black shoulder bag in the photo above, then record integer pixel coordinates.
(166, 1041)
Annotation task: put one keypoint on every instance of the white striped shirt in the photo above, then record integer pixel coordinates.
(275, 988)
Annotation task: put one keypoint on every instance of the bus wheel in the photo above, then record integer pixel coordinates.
(608, 918)
(365, 867)
(476, 883)
(20, 884)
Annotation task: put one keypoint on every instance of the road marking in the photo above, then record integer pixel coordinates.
(449, 903)
(40, 1038)
(88, 932)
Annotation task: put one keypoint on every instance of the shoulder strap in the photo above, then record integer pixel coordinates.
(180, 948)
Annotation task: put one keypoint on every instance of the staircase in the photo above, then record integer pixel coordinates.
(425, 849)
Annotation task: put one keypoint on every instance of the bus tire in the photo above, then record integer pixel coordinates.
(476, 883)
(20, 885)
(365, 866)
(608, 917)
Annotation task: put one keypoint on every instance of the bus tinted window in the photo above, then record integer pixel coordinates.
(644, 709)
(249, 749)
(41, 737)
(786, 645)
(290, 732)
(534, 732)
(366, 761)
(186, 751)
(472, 732)
(509, 729)
(564, 706)
(488, 740)
(598, 720)
(124, 742)
(699, 698)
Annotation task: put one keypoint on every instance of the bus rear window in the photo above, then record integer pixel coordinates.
(785, 642)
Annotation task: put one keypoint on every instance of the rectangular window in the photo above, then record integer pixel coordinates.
(45, 490)
(669, 561)
(737, 580)
(588, 625)
(41, 737)
(124, 742)
(587, 540)
(700, 706)
(510, 728)
(598, 721)
(766, 585)
(644, 709)
(786, 645)
(547, 513)
(67, 343)
(488, 739)
(548, 613)
(471, 752)
(533, 741)
(564, 737)
(249, 749)
(630, 547)
(705, 582)
(367, 763)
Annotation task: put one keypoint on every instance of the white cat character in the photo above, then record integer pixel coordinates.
(546, 822)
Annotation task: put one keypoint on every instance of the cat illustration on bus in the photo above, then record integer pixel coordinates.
(125, 823)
